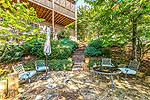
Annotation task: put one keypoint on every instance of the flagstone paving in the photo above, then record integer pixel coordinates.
(78, 85)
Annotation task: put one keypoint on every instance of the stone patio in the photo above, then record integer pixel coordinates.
(78, 85)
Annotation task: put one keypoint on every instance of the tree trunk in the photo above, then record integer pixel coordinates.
(134, 50)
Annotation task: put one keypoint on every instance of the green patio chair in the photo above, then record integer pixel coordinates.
(106, 62)
(22, 74)
(40, 65)
(132, 68)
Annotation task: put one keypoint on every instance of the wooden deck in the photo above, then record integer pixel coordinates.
(64, 10)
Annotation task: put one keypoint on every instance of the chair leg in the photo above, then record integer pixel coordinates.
(111, 79)
(136, 76)
(125, 76)
(29, 80)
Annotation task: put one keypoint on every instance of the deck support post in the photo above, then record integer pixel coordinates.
(76, 21)
(53, 21)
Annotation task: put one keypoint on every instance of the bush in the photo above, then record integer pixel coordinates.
(29, 66)
(64, 34)
(93, 62)
(13, 53)
(106, 52)
(59, 64)
(91, 51)
(62, 49)
(94, 48)
(96, 43)
(117, 62)
(59, 49)
(69, 43)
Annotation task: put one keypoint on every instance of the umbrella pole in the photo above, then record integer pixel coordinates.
(46, 64)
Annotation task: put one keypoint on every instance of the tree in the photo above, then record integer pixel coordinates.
(123, 21)
(84, 31)
(15, 20)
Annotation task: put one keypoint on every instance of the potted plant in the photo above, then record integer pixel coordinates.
(87, 60)
(70, 59)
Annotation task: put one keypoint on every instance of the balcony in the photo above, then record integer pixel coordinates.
(62, 6)
(64, 10)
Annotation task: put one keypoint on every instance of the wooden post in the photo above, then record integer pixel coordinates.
(3, 89)
(13, 84)
(76, 21)
(53, 27)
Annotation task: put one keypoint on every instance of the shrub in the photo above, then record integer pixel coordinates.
(94, 48)
(106, 52)
(91, 51)
(59, 49)
(59, 64)
(14, 53)
(64, 34)
(117, 62)
(93, 62)
(29, 66)
(96, 43)
(69, 43)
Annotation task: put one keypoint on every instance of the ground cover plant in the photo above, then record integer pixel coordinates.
(60, 64)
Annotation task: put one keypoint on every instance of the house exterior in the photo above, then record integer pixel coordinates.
(57, 13)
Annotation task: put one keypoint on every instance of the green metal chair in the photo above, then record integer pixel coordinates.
(106, 62)
(22, 74)
(40, 65)
(132, 68)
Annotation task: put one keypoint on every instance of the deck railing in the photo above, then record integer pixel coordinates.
(63, 6)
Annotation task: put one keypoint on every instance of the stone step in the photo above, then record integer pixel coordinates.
(78, 63)
(75, 66)
(76, 69)
(78, 60)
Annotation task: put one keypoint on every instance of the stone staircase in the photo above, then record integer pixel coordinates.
(78, 58)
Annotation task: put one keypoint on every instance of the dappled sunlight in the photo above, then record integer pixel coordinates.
(78, 85)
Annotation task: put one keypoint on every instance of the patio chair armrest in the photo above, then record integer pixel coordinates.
(126, 71)
(112, 65)
(37, 67)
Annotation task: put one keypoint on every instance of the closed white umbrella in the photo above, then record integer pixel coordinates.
(47, 47)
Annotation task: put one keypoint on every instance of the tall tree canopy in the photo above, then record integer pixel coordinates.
(84, 31)
(123, 21)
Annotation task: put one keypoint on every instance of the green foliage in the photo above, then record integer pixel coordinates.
(18, 19)
(69, 43)
(94, 48)
(84, 32)
(91, 51)
(61, 49)
(14, 53)
(93, 62)
(4, 75)
(106, 52)
(117, 62)
(96, 43)
(59, 64)
(64, 34)
(122, 21)
(29, 66)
